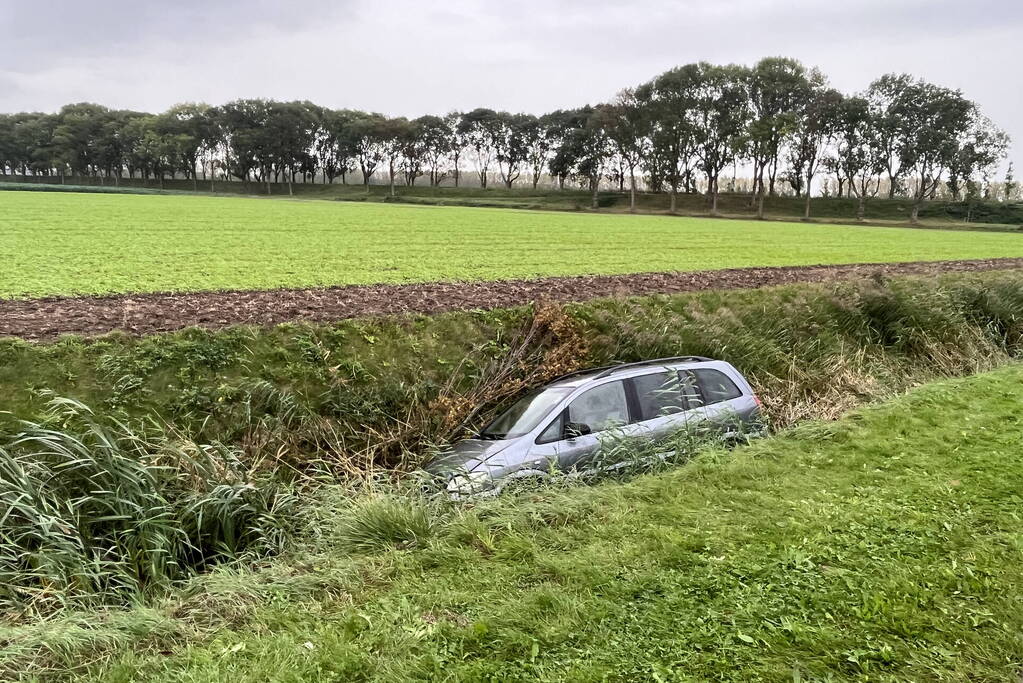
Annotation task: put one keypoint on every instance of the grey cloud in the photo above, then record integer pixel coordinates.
(48, 31)
(410, 57)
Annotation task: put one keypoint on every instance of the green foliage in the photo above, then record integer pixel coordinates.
(84, 244)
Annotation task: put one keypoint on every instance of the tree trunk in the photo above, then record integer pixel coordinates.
(674, 195)
(632, 190)
(595, 185)
(806, 209)
(758, 183)
(914, 217)
(760, 202)
(861, 207)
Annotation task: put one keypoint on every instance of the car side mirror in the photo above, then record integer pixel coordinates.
(574, 429)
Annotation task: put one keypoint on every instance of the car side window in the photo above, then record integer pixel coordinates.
(692, 397)
(554, 432)
(716, 386)
(658, 394)
(601, 407)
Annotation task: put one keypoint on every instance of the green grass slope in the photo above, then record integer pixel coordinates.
(68, 243)
(885, 546)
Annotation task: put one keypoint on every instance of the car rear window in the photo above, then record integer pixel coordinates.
(716, 386)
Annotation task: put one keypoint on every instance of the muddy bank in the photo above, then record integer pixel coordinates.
(44, 319)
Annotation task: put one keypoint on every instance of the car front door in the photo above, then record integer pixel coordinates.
(600, 412)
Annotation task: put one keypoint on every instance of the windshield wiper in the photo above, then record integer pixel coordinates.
(488, 436)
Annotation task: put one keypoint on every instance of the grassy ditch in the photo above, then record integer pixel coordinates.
(198, 441)
(883, 546)
(369, 393)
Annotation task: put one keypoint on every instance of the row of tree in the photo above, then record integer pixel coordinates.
(676, 133)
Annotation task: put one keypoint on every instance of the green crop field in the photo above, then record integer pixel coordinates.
(56, 243)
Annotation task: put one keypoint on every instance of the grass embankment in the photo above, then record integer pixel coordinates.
(67, 243)
(360, 392)
(945, 214)
(885, 546)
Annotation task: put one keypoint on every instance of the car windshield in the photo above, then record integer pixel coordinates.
(524, 415)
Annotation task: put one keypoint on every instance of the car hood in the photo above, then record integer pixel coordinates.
(467, 455)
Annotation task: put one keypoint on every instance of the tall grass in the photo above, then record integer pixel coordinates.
(95, 509)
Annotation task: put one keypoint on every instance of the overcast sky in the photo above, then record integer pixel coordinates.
(405, 57)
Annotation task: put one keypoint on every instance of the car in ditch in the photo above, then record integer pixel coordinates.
(564, 425)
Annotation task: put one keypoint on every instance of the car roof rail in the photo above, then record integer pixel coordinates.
(584, 371)
(605, 372)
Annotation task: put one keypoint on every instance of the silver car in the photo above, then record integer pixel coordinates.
(561, 426)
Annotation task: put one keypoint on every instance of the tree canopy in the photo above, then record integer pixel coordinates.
(677, 132)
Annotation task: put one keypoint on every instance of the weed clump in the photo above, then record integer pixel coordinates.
(385, 521)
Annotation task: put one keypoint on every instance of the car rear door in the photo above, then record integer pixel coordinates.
(659, 404)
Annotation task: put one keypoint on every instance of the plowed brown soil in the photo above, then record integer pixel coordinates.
(44, 319)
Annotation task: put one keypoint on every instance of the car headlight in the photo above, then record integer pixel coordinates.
(469, 482)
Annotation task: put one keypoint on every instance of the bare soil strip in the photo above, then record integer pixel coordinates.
(140, 314)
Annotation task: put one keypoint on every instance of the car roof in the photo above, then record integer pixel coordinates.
(580, 377)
